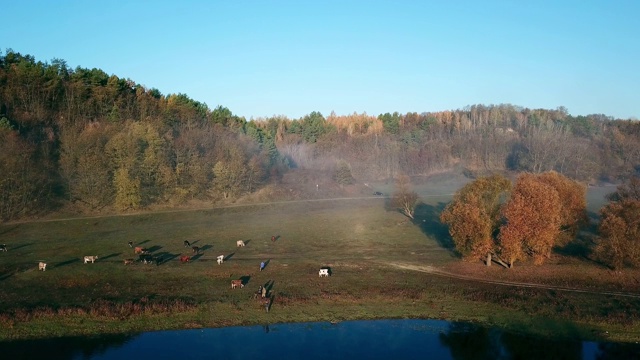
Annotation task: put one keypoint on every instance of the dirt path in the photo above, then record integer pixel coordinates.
(433, 270)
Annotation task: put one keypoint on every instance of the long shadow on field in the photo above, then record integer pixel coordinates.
(246, 242)
(164, 257)
(19, 246)
(195, 242)
(196, 257)
(67, 262)
(154, 248)
(226, 258)
(206, 247)
(143, 242)
(245, 279)
(110, 256)
(427, 217)
(8, 230)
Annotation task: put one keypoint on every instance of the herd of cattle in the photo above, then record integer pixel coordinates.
(145, 257)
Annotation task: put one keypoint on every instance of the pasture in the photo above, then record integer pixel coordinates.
(361, 241)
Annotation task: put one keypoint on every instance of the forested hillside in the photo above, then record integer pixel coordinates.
(83, 137)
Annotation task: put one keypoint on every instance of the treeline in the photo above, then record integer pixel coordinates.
(83, 136)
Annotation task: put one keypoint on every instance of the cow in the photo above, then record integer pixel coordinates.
(187, 243)
(258, 293)
(267, 304)
(196, 250)
(236, 283)
(131, 244)
(185, 259)
(139, 250)
(220, 259)
(263, 293)
(128, 261)
(90, 258)
(3, 247)
(240, 243)
(42, 266)
(273, 238)
(323, 272)
(146, 259)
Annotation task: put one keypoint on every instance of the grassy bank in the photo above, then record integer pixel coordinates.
(358, 239)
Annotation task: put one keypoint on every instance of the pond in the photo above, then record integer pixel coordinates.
(376, 339)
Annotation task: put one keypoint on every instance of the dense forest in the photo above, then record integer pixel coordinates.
(97, 141)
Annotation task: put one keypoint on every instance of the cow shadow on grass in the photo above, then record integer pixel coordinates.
(194, 242)
(110, 256)
(142, 242)
(67, 262)
(246, 242)
(206, 247)
(245, 279)
(269, 285)
(226, 258)
(164, 257)
(19, 246)
(196, 256)
(154, 248)
(9, 229)
(427, 217)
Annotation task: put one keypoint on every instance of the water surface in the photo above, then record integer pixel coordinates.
(378, 339)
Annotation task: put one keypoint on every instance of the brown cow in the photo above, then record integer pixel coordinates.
(273, 238)
(236, 283)
(139, 250)
(196, 250)
(185, 258)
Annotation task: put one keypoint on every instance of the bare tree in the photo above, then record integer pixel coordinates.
(405, 199)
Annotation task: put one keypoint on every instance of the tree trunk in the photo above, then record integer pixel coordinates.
(488, 259)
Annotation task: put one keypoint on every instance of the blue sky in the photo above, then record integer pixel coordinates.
(264, 58)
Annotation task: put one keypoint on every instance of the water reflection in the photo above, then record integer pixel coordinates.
(380, 339)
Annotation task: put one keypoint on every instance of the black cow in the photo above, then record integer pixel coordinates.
(3, 247)
(187, 243)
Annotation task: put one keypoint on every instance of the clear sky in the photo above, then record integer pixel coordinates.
(264, 58)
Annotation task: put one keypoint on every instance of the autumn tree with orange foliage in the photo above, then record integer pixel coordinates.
(573, 204)
(619, 242)
(532, 221)
(473, 217)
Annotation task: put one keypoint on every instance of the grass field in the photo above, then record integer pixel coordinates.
(359, 239)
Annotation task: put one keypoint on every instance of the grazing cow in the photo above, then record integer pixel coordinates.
(258, 293)
(273, 238)
(187, 243)
(196, 250)
(240, 243)
(236, 283)
(264, 292)
(220, 259)
(3, 247)
(267, 304)
(139, 250)
(90, 258)
(146, 259)
(323, 272)
(185, 258)
(128, 261)
(42, 266)
(131, 244)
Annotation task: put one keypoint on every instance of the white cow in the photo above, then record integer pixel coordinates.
(42, 266)
(90, 258)
(323, 272)
(220, 259)
(239, 243)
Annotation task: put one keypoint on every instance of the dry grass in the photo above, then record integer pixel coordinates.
(356, 238)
